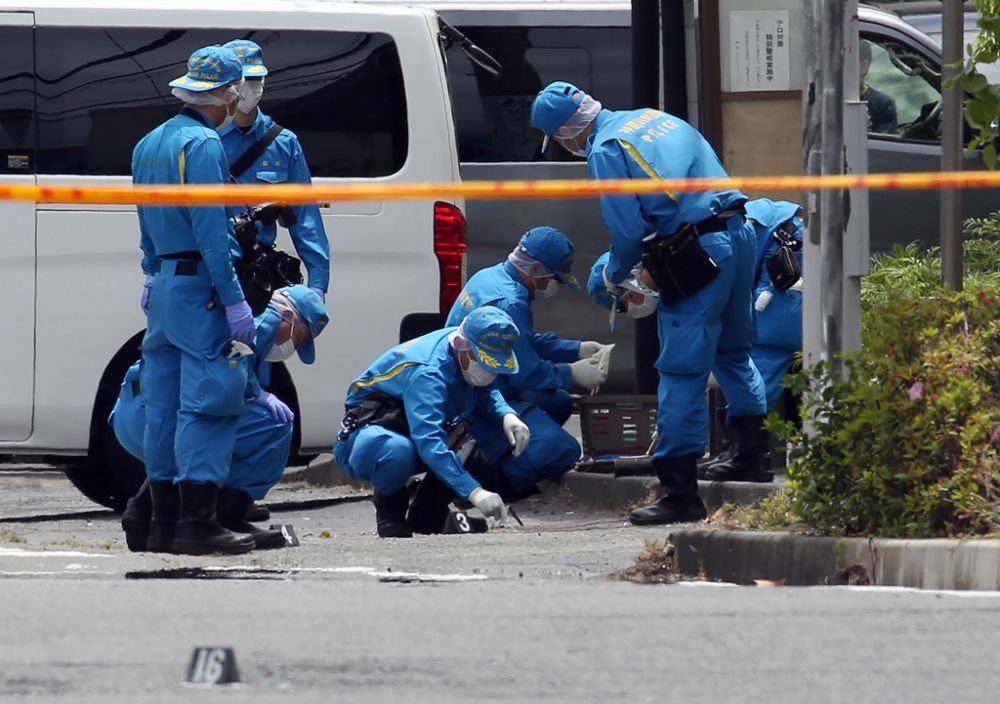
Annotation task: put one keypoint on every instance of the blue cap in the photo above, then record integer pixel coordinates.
(210, 67)
(312, 310)
(553, 106)
(553, 249)
(250, 55)
(492, 334)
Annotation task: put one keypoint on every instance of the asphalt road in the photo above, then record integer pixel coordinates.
(519, 614)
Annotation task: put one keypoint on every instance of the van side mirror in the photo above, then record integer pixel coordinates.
(476, 55)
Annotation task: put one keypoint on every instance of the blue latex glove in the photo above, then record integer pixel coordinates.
(275, 406)
(320, 292)
(240, 320)
(147, 288)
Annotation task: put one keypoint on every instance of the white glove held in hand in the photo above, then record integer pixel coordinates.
(591, 348)
(588, 373)
(517, 432)
(489, 504)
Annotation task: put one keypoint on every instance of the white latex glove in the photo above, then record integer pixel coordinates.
(517, 432)
(591, 348)
(588, 373)
(489, 504)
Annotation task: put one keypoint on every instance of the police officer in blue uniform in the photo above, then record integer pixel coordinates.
(282, 161)
(778, 313)
(192, 380)
(702, 251)
(293, 319)
(401, 410)
(540, 265)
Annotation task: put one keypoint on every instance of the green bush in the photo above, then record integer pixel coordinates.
(906, 440)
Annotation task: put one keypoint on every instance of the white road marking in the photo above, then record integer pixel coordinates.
(20, 552)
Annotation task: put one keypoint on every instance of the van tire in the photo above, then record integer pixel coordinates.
(96, 486)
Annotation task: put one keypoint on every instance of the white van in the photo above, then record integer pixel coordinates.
(365, 89)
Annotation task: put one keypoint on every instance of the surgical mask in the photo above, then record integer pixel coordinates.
(279, 353)
(250, 95)
(230, 116)
(550, 290)
(641, 310)
(476, 375)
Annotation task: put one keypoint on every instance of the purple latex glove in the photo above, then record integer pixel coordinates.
(147, 288)
(240, 320)
(320, 292)
(275, 406)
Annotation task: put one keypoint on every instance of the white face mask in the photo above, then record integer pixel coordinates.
(475, 375)
(227, 121)
(250, 94)
(551, 289)
(279, 353)
(641, 310)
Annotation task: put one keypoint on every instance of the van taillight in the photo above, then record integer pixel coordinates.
(449, 247)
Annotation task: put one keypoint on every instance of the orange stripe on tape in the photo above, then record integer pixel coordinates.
(199, 195)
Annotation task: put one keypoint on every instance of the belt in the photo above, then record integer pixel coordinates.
(192, 255)
(181, 267)
(718, 223)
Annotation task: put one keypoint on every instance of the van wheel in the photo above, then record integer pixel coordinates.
(96, 486)
(121, 473)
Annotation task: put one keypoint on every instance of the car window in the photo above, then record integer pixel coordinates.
(901, 89)
(493, 113)
(102, 89)
(17, 102)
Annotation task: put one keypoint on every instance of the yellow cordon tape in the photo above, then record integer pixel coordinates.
(479, 190)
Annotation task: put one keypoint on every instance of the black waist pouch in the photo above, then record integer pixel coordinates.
(783, 268)
(377, 409)
(678, 264)
(264, 272)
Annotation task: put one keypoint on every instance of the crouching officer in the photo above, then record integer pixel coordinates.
(777, 308)
(293, 319)
(261, 151)
(539, 265)
(193, 384)
(699, 250)
(401, 410)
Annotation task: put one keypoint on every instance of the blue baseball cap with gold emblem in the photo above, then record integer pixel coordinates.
(492, 334)
(552, 248)
(250, 55)
(313, 312)
(209, 68)
(553, 106)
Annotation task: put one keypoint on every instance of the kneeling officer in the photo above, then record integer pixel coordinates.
(293, 319)
(400, 412)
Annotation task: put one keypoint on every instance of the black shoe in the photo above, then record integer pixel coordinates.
(258, 513)
(752, 460)
(492, 478)
(671, 509)
(166, 503)
(390, 514)
(136, 517)
(198, 529)
(429, 507)
(681, 504)
(234, 506)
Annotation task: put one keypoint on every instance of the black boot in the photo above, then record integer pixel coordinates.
(258, 513)
(492, 478)
(727, 450)
(390, 514)
(136, 517)
(429, 507)
(752, 461)
(166, 509)
(234, 507)
(198, 529)
(681, 503)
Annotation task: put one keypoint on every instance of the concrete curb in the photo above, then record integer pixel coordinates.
(603, 492)
(799, 560)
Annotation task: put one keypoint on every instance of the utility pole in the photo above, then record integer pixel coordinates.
(951, 146)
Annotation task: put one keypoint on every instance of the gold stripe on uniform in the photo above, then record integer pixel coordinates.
(644, 165)
(378, 379)
(182, 166)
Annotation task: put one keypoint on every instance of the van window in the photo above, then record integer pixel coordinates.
(101, 90)
(17, 102)
(902, 92)
(493, 113)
